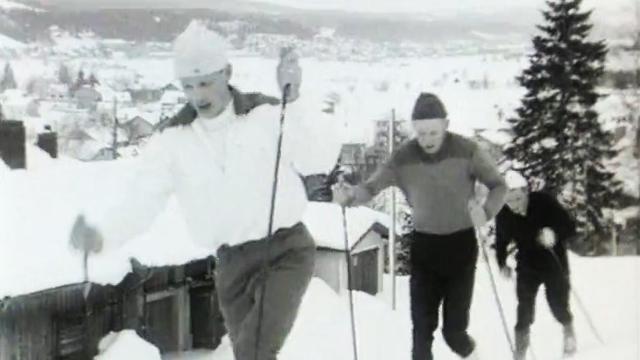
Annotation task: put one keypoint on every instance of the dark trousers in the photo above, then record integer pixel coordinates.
(239, 281)
(557, 289)
(442, 272)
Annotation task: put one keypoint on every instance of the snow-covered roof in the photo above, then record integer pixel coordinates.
(128, 114)
(38, 208)
(13, 95)
(173, 97)
(324, 221)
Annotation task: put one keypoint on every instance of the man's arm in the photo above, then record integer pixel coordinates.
(139, 196)
(561, 221)
(485, 169)
(382, 178)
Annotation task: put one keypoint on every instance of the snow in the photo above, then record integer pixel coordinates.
(12, 5)
(126, 345)
(325, 223)
(10, 43)
(40, 204)
(322, 329)
(38, 208)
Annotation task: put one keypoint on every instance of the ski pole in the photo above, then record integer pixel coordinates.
(354, 339)
(581, 305)
(494, 288)
(274, 188)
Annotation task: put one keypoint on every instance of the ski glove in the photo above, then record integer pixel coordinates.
(547, 238)
(85, 237)
(477, 213)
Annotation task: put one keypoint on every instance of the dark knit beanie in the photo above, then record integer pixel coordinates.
(428, 106)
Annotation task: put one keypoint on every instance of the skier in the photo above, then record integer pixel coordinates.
(540, 228)
(220, 166)
(437, 172)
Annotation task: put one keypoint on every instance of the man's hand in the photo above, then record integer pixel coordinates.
(477, 213)
(343, 193)
(85, 237)
(289, 72)
(547, 238)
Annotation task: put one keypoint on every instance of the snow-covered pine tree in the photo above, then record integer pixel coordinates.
(558, 137)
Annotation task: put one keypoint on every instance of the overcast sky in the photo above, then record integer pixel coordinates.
(433, 5)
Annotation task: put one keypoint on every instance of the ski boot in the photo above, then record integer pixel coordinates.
(522, 344)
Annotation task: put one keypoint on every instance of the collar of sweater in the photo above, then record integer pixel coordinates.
(220, 122)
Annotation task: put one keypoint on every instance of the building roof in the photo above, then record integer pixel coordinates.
(325, 223)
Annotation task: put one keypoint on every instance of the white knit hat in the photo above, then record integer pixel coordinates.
(515, 180)
(198, 51)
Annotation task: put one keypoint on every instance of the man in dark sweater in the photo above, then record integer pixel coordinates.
(437, 172)
(540, 228)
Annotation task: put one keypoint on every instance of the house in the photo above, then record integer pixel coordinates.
(170, 87)
(79, 144)
(56, 323)
(172, 307)
(145, 96)
(15, 104)
(173, 97)
(137, 128)
(41, 87)
(57, 92)
(110, 95)
(87, 97)
(367, 231)
(352, 156)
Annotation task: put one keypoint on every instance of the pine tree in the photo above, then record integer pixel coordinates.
(8, 79)
(559, 141)
(63, 75)
(93, 81)
(80, 81)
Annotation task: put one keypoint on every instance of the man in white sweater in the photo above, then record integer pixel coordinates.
(220, 166)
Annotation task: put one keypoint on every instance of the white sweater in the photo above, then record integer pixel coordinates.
(221, 171)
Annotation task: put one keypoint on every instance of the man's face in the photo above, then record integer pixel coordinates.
(290, 72)
(208, 94)
(430, 133)
(517, 200)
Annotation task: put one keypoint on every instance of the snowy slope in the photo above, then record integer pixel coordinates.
(126, 345)
(322, 330)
